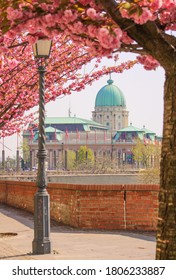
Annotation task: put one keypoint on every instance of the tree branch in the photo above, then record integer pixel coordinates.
(149, 36)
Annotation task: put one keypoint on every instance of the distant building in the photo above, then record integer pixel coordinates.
(131, 133)
(107, 134)
(110, 107)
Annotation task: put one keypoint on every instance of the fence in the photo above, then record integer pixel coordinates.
(108, 207)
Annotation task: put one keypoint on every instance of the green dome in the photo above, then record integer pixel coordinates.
(110, 95)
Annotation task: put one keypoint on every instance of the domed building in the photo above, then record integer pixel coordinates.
(110, 107)
(107, 135)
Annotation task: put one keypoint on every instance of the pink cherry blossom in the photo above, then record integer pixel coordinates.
(81, 30)
(92, 13)
(13, 14)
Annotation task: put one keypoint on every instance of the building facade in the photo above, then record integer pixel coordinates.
(108, 134)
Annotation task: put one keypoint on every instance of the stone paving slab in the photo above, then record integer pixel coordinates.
(69, 243)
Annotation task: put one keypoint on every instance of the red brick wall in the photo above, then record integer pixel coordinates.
(91, 206)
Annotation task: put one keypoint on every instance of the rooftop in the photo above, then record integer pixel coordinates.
(110, 95)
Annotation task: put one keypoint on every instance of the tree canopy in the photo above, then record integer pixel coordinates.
(19, 79)
(81, 31)
(101, 28)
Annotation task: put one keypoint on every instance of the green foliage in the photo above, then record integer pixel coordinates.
(85, 155)
(71, 158)
(148, 157)
(25, 149)
(144, 153)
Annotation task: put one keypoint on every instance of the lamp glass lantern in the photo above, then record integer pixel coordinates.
(42, 48)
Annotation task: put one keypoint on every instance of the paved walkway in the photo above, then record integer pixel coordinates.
(69, 243)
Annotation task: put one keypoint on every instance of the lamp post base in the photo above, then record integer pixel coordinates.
(41, 243)
(41, 248)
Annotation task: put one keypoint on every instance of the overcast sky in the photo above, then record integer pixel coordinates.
(143, 91)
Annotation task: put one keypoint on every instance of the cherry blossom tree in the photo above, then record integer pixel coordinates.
(145, 28)
(19, 79)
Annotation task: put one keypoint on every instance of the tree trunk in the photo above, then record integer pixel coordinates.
(153, 41)
(166, 233)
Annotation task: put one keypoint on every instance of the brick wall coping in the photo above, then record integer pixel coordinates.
(141, 187)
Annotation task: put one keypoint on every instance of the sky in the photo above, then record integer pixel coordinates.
(143, 91)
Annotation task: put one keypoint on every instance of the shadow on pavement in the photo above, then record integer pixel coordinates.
(26, 218)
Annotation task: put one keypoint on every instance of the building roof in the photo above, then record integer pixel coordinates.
(131, 128)
(69, 120)
(51, 129)
(63, 124)
(56, 133)
(147, 131)
(73, 121)
(110, 95)
(130, 132)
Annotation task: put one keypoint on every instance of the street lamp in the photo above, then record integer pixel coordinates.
(41, 243)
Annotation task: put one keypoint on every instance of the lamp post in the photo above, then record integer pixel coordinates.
(3, 155)
(41, 243)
